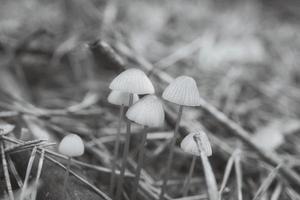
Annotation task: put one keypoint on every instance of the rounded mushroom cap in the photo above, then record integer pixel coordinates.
(71, 146)
(189, 144)
(132, 81)
(148, 111)
(121, 98)
(183, 91)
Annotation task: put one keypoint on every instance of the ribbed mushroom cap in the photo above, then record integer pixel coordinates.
(189, 144)
(148, 111)
(132, 81)
(183, 91)
(121, 98)
(71, 146)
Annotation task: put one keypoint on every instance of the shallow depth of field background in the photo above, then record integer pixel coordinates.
(244, 55)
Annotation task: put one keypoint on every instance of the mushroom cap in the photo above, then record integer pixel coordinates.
(132, 81)
(121, 98)
(71, 146)
(183, 91)
(148, 111)
(189, 145)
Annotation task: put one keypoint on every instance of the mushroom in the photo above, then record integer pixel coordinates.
(184, 92)
(132, 81)
(120, 99)
(189, 145)
(70, 146)
(148, 112)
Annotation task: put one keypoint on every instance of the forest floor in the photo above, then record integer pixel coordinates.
(244, 56)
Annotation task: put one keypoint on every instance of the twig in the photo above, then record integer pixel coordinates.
(6, 173)
(266, 184)
(227, 173)
(188, 179)
(15, 172)
(238, 173)
(38, 174)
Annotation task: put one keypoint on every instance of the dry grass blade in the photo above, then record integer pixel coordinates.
(239, 175)
(25, 145)
(266, 184)
(212, 187)
(39, 171)
(228, 169)
(28, 171)
(277, 192)
(196, 197)
(6, 173)
(14, 172)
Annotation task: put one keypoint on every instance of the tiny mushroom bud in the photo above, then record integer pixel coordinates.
(121, 98)
(189, 144)
(147, 112)
(183, 91)
(133, 81)
(71, 146)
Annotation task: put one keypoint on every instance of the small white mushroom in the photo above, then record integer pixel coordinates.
(132, 81)
(71, 146)
(148, 112)
(121, 99)
(183, 91)
(189, 144)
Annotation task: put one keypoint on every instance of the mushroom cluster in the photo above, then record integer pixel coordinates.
(147, 112)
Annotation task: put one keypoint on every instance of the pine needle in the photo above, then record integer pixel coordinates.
(6, 173)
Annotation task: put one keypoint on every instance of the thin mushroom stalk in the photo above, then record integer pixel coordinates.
(140, 165)
(187, 182)
(125, 155)
(116, 150)
(66, 177)
(171, 154)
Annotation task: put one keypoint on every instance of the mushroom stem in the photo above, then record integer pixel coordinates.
(125, 154)
(116, 151)
(140, 165)
(189, 177)
(171, 154)
(67, 175)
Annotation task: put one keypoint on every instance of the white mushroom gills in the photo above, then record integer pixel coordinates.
(183, 91)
